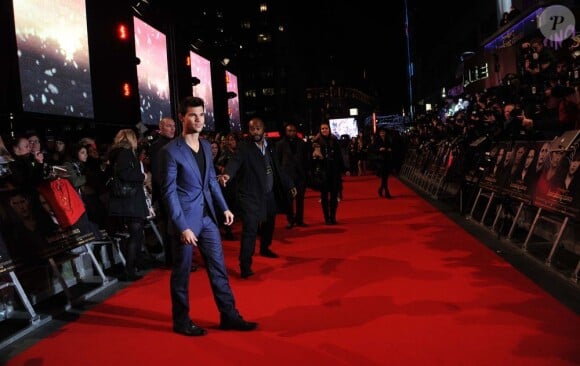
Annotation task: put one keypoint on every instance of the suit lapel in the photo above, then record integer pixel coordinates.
(206, 157)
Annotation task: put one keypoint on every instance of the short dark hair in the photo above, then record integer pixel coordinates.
(190, 101)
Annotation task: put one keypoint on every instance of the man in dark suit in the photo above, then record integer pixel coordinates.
(292, 153)
(190, 192)
(166, 134)
(260, 183)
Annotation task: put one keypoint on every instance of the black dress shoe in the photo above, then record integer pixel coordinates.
(237, 324)
(190, 329)
(246, 274)
(290, 225)
(268, 253)
(302, 224)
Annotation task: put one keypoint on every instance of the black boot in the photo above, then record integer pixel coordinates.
(325, 212)
(332, 212)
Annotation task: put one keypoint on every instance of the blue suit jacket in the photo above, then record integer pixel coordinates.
(184, 193)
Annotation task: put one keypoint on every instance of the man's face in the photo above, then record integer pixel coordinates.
(34, 143)
(193, 120)
(256, 130)
(20, 205)
(291, 132)
(167, 128)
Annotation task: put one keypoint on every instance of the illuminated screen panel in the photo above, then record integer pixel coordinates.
(233, 102)
(53, 57)
(201, 69)
(344, 126)
(152, 72)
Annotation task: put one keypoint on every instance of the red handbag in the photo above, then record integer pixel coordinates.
(64, 200)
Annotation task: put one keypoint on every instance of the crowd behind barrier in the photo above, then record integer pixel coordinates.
(507, 155)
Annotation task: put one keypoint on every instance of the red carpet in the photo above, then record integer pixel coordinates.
(395, 283)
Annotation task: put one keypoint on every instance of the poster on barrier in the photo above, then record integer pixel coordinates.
(529, 160)
(6, 262)
(31, 231)
(558, 186)
(492, 178)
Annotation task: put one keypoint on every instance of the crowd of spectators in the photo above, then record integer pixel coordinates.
(538, 103)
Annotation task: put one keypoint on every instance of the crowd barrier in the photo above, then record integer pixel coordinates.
(526, 192)
(47, 268)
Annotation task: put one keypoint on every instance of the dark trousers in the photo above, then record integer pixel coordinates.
(296, 214)
(329, 202)
(384, 187)
(135, 228)
(252, 227)
(210, 246)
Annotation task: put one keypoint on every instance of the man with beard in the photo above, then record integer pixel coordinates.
(260, 183)
(292, 152)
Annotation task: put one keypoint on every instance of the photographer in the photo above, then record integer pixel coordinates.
(538, 65)
(28, 170)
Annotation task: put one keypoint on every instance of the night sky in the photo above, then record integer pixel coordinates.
(359, 38)
(362, 40)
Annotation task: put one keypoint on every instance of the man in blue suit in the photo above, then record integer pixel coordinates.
(190, 190)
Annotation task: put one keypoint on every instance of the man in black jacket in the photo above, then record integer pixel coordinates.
(292, 153)
(260, 183)
(166, 134)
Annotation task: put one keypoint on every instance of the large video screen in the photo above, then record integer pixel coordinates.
(233, 102)
(53, 57)
(343, 126)
(152, 72)
(201, 69)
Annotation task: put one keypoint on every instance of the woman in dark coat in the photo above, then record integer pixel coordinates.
(330, 156)
(130, 211)
(382, 150)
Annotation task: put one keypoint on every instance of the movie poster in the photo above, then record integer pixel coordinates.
(495, 174)
(558, 186)
(30, 230)
(529, 162)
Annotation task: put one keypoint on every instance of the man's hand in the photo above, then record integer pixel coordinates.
(223, 179)
(229, 217)
(188, 237)
(293, 192)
